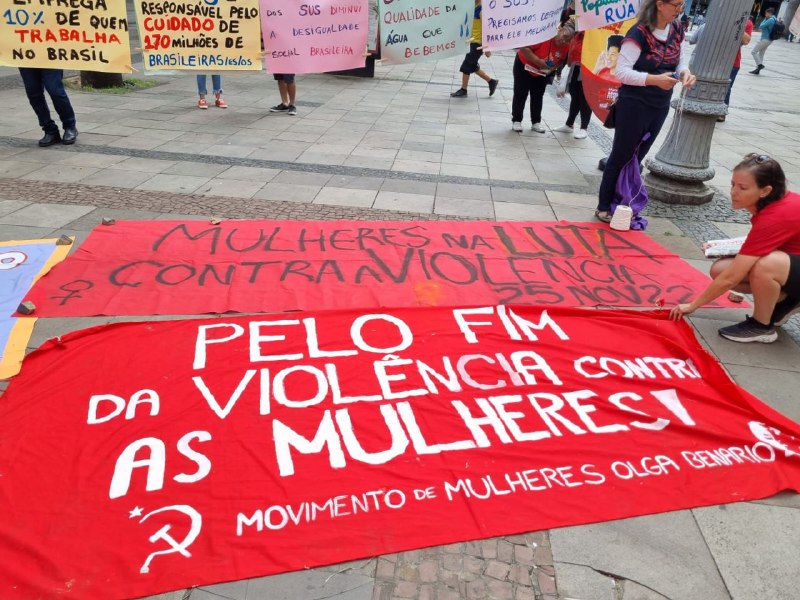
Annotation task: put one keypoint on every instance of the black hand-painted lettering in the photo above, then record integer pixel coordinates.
(73, 289)
(183, 228)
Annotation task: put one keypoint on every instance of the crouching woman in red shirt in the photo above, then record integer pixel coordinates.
(768, 264)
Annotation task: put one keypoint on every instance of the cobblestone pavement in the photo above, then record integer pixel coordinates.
(398, 147)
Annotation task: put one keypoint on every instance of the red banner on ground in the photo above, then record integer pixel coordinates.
(181, 453)
(174, 267)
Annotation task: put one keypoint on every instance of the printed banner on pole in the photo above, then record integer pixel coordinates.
(21, 264)
(191, 267)
(599, 63)
(330, 35)
(196, 35)
(591, 14)
(509, 24)
(424, 29)
(183, 453)
(90, 35)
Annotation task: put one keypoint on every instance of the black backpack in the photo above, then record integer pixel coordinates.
(777, 31)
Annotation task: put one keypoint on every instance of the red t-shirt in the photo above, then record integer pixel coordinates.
(776, 227)
(547, 50)
(748, 29)
(576, 48)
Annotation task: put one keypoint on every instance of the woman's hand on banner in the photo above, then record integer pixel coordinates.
(681, 310)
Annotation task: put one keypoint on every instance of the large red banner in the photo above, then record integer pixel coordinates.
(174, 267)
(142, 457)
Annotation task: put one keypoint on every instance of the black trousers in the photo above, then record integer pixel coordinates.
(634, 119)
(526, 85)
(577, 103)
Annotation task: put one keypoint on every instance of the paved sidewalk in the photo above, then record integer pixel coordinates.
(398, 147)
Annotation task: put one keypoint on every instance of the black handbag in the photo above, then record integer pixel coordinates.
(611, 118)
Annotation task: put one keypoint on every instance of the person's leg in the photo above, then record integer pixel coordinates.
(627, 135)
(574, 86)
(283, 92)
(654, 122)
(291, 92)
(468, 66)
(483, 75)
(520, 91)
(53, 80)
(734, 73)
(538, 87)
(767, 277)
(585, 109)
(216, 82)
(34, 89)
(202, 91)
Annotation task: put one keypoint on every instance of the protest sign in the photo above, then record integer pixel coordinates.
(199, 35)
(330, 35)
(90, 35)
(183, 453)
(591, 14)
(175, 267)
(599, 63)
(511, 24)
(424, 29)
(21, 263)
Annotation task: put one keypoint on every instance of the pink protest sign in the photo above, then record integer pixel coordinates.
(329, 35)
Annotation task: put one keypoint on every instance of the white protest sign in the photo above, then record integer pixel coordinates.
(511, 24)
(591, 14)
(424, 29)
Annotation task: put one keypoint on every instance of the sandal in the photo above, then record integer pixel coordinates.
(602, 215)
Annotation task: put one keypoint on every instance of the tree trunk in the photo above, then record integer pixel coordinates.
(101, 80)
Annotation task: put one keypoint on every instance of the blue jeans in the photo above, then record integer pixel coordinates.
(216, 81)
(734, 72)
(36, 81)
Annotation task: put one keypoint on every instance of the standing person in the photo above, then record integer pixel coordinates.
(288, 91)
(202, 91)
(737, 64)
(761, 47)
(470, 64)
(650, 64)
(534, 68)
(577, 103)
(768, 263)
(36, 81)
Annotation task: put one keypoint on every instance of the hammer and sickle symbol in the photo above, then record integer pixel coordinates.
(163, 534)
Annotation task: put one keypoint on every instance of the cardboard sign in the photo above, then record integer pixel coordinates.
(90, 35)
(424, 29)
(196, 35)
(329, 35)
(509, 24)
(184, 453)
(191, 267)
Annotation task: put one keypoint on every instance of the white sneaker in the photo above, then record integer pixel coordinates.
(516, 126)
(580, 134)
(538, 128)
(563, 129)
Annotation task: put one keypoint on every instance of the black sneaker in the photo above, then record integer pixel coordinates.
(492, 86)
(291, 110)
(279, 108)
(750, 330)
(459, 93)
(784, 310)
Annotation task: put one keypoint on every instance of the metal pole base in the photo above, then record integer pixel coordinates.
(673, 191)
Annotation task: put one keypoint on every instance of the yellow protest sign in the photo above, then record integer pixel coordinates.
(200, 35)
(84, 35)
